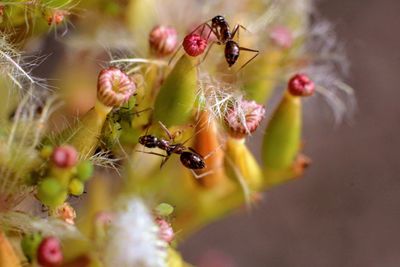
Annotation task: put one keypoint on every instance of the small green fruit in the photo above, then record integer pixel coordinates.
(51, 192)
(85, 170)
(76, 187)
(29, 245)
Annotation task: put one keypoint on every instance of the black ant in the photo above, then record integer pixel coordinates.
(188, 156)
(220, 28)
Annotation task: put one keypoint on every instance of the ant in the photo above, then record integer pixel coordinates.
(220, 28)
(188, 156)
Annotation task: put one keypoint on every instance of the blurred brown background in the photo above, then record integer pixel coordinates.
(346, 210)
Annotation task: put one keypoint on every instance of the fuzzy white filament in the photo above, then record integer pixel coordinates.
(133, 239)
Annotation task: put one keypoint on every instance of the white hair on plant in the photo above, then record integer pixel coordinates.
(133, 238)
(23, 223)
(329, 65)
(216, 96)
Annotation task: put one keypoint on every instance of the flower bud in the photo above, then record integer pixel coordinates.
(166, 232)
(114, 87)
(56, 17)
(194, 44)
(64, 156)
(281, 36)
(163, 40)
(49, 252)
(301, 85)
(244, 119)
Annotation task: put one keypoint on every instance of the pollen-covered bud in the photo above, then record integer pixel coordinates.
(244, 118)
(194, 44)
(49, 252)
(64, 156)
(301, 85)
(66, 213)
(281, 36)
(166, 232)
(114, 87)
(163, 40)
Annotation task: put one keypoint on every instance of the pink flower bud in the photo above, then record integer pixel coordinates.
(281, 36)
(114, 87)
(244, 119)
(166, 232)
(301, 85)
(56, 17)
(49, 252)
(194, 44)
(163, 40)
(64, 156)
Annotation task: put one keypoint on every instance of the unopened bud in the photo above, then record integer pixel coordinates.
(49, 252)
(194, 44)
(163, 40)
(301, 85)
(64, 156)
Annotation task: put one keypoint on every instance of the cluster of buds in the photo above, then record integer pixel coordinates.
(65, 175)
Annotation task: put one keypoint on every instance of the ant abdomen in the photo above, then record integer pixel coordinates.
(192, 160)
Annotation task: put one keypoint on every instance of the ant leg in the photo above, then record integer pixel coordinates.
(165, 129)
(208, 50)
(152, 153)
(249, 50)
(198, 176)
(236, 30)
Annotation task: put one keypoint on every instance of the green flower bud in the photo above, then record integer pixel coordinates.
(282, 138)
(30, 244)
(175, 101)
(84, 170)
(76, 187)
(164, 209)
(51, 192)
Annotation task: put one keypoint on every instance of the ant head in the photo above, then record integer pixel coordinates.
(217, 20)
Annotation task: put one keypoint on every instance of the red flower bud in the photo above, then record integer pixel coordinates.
(49, 252)
(163, 40)
(194, 44)
(301, 85)
(64, 156)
